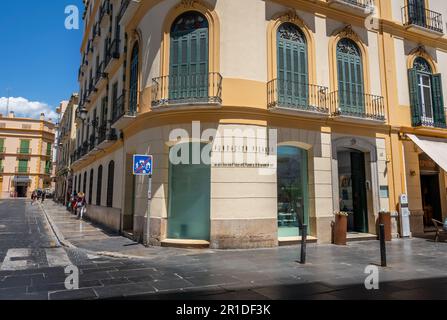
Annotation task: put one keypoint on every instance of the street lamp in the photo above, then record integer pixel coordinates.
(83, 114)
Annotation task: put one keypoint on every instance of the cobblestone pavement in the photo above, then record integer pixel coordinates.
(32, 267)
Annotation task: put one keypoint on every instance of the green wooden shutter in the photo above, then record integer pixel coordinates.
(188, 78)
(24, 146)
(350, 79)
(49, 149)
(438, 101)
(415, 98)
(2, 144)
(23, 166)
(293, 88)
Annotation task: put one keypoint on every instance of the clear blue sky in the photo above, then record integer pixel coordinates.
(39, 58)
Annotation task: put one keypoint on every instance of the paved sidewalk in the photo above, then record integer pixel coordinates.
(84, 234)
(416, 269)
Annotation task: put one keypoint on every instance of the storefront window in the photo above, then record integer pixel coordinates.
(292, 190)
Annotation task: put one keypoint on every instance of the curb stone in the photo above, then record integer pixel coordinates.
(65, 243)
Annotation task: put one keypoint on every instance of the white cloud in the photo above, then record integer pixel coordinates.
(22, 107)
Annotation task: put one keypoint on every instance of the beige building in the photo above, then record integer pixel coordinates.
(65, 145)
(25, 155)
(332, 89)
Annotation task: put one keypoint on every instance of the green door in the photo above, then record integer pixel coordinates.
(350, 78)
(292, 67)
(359, 192)
(188, 78)
(189, 198)
(416, 12)
(293, 194)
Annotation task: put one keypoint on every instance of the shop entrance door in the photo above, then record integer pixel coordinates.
(431, 199)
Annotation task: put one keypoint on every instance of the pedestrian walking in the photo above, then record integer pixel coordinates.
(43, 196)
(33, 198)
(81, 205)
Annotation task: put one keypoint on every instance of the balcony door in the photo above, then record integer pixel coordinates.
(427, 101)
(292, 66)
(188, 78)
(350, 78)
(416, 12)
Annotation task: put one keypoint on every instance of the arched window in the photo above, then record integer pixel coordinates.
(90, 187)
(350, 78)
(110, 181)
(426, 97)
(133, 84)
(292, 66)
(84, 189)
(99, 187)
(189, 58)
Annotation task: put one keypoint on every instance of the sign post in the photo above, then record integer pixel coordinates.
(142, 166)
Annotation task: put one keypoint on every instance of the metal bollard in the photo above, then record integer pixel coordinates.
(382, 245)
(303, 243)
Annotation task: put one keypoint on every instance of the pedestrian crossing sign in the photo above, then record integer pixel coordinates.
(142, 165)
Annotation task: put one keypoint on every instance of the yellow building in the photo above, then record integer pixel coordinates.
(66, 139)
(335, 91)
(25, 155)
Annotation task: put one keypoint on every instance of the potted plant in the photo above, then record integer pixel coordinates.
(341, 228)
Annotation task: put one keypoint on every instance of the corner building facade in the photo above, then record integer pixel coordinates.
(314, 72)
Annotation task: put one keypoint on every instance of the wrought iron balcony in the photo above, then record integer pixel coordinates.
(360, 7)
(104, 11)
(418, 120)
(100, 74)
(24, 151)
(112, 52)
(106, 135)
(22, 170)
(127, 10)
(187, 89)
(84, 148)
(422, 20)
(289, 95)
(357, 105)
(96, 32)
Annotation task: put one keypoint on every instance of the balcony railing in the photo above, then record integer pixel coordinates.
(100, 73)
(118, 109)
(96, 31)
(22, 170)
(84, 148)
(364, 4)
(357, 105)
(123, 8)
(24, 151)
(113, 51)
(187, 89)
(419, 16)
(106, 133)
(418, 120)
(297, 96)
(92, 142)
(104, 10)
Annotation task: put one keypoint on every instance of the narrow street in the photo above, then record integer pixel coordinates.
(32, 267)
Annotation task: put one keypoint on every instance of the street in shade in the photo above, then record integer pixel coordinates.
(33, 265)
